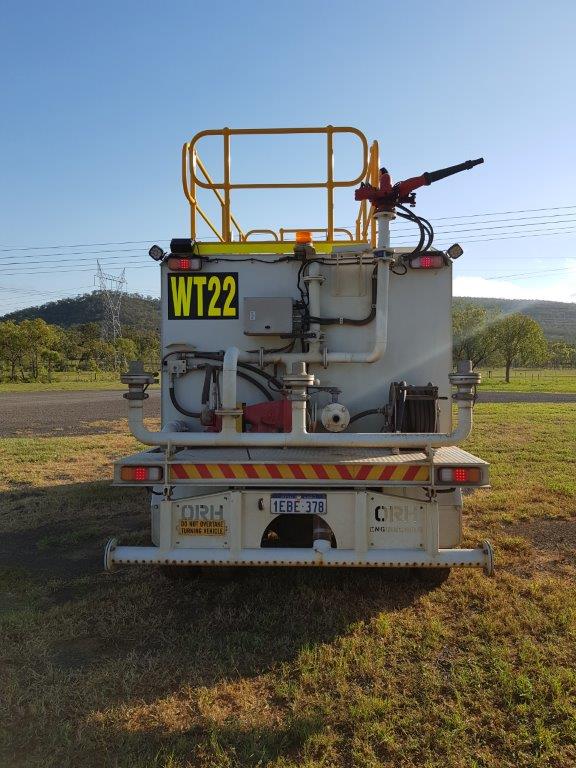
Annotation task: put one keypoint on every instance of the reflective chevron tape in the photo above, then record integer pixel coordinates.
(407, 472)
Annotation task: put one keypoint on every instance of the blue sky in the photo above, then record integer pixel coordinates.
(98, 98)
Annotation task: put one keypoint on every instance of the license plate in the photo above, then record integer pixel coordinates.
(203, 527)
(298, 504)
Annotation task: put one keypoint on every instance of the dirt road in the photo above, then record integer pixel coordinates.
(76, 413)
(65, 413)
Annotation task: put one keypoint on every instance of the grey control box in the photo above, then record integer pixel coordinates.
(267, 316)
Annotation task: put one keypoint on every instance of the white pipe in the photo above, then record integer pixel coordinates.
(301, 438)
(374, 354)
(229, 411)
(315, 355)
(229, 369)
(313, 279)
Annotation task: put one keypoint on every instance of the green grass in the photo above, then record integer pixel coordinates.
(287, 668)
(529, 380)
(67, 382)
(522, 380)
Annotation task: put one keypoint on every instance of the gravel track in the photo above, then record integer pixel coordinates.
(66, 413)
(75, 413)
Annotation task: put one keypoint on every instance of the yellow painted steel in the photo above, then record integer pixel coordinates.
(264, 247)
(323, 230)
(190, 181)
(247, 235)
(365, 219)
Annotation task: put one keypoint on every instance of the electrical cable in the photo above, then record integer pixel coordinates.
(341, 320)
(12, 249)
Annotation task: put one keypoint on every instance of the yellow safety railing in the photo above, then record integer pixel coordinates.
(365, 220)
(191, 181)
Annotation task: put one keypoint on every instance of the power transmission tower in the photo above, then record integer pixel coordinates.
(112, 289)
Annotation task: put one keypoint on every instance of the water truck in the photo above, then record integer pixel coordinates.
(310, 412)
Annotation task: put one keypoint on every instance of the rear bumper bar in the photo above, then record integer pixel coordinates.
(382, 558)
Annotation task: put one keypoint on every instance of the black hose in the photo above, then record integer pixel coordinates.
(406, 213)
(240, 374)
(256, 371)
(179, 408)
(362, 414)
(266, 392)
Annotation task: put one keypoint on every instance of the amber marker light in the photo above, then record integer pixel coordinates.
(303, 236)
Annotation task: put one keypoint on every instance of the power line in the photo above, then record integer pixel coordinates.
(110, 259)
(72, 253)
(505, 213)
(85, 245)
(64, 271)
(399, 242)
(568, 231)
(167, 239)
(535, 273)
(505, 226)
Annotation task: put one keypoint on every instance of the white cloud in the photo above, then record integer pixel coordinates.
(501, 289)
(562, 287)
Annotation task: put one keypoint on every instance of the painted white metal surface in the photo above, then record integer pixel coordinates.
(478, 558)
(419, 336)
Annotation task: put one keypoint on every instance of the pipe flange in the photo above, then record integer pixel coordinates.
(135, 394)
(488, 550)
(137, 376)
(298, 381)
(299, 378)
(471, 379)
(109, 550)
(464, 396)
(229, 412)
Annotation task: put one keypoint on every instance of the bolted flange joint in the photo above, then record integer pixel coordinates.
(138, 380)
(465, 380)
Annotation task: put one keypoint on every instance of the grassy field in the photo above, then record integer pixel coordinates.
(67, 382)
(521, 380)
(286, 668)
(529, 380)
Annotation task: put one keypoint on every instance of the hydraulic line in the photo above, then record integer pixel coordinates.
(195, 414)
(363, 414)
(424, 226)
(219, 356)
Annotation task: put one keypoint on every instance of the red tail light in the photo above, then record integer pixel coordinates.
(181, 264)
(428, 261)
(141, 474)
(460, 475)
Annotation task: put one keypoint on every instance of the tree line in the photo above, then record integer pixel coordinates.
(488, 338)
(33, 350)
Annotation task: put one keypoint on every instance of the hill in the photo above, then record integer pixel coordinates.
(558, 319)
(136, 311)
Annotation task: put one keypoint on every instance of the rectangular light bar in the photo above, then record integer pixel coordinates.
(141, 474)
(459, 475)
(428, 261)
(184, 264)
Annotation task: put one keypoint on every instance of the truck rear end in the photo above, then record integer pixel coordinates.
(306, 390)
